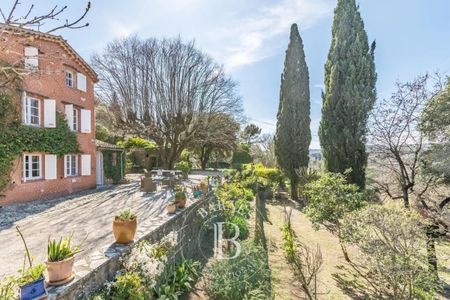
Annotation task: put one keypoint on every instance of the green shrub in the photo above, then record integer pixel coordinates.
(137, 142)
(177, 279)
(241, 223)
(128, 286)
(392, 252)
(245, 277)
(183, 166)
(241, 156)
(330, 198)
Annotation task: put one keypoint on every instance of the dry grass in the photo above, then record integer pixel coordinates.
(285, 285)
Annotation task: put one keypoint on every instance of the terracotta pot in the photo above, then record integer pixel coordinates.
(124, 231)
(181, 203)
(171, 208)
(59, 271)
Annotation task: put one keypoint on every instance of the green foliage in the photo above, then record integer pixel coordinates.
(241, 223)
(103, 134)
(137, 142)
(177, 279)
(185, 155)
(241, 155)
(7, 288)
(113, 170)
(331, 197)
(392, 252)
(62, 249)
(293, 134)
(245, 277)
(17, 138)
(128, 286)
(184, 166)
(28, 275)
(250, 133)
(349, 94)
(126, 215)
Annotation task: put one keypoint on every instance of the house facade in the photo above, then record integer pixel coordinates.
(55, 79)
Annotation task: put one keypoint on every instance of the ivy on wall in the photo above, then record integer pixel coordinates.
(16, 138)
(112, 165)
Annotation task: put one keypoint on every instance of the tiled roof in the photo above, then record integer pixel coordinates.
(104, 145)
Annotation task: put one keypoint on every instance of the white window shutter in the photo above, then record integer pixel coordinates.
(24, 107)
(85, 121)
(50, 166)
(31, 58)
(49, 113)
(69, 115)
(81, 82)
(85, 164)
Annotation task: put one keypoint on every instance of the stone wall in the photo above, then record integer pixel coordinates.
(186, 223)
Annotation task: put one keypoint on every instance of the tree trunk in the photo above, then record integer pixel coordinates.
(294, 189)
(431, 250)
(405, 198)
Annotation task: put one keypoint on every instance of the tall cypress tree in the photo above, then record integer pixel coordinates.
(293, 134)
(349, 95)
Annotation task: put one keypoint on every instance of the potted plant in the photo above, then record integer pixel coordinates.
(31, 279)
(124, 226)
(203, 187)
(184, 167)
(171, 207)
(180, 198)
(60, 260)
(31, 283)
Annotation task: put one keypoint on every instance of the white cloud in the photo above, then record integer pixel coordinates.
(253, 38)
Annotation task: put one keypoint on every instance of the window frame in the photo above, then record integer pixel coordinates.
(72, 159)
(75, 119)
(29, 165)
(72, 79)
(27, 110)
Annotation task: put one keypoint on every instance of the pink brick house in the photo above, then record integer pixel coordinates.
(59, 80)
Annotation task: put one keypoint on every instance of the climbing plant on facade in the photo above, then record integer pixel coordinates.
(16, 138)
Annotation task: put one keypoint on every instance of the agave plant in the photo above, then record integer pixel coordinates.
(126, 215)
(62, 249)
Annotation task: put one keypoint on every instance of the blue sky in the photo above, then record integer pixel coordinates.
(250, 38)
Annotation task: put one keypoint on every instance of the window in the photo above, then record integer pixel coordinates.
(70, 165)
(32, 111)
(32, 166)
(69, 79)
(75, 120)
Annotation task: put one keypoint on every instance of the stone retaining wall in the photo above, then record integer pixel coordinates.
(185, 222)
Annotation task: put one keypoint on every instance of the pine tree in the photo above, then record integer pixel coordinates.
(349, 95)
(293, 135)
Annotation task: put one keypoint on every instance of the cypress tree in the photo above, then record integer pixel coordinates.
(293, 135)
(349, 95)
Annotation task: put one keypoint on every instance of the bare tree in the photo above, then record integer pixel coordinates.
(263, 151)
(218, 134)
(163, 89)
(398, 148)
(29, 19)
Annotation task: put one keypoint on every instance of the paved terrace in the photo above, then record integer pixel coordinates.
(88, 216)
